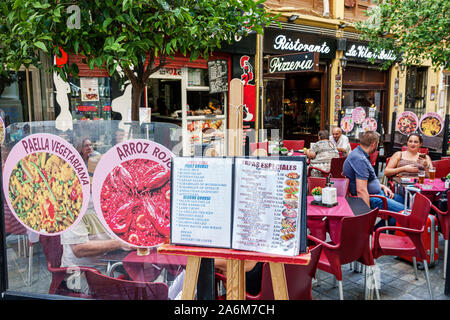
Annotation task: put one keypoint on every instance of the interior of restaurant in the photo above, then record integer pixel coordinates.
(297, 111)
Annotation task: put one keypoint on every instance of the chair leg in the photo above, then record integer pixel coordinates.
(427, 276)
(30, 263)
(445, 257)
(415, 267)
(341, 290)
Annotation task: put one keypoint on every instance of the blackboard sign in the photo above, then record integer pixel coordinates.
(218, 76)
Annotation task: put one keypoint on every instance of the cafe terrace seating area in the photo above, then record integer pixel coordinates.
(33, 264)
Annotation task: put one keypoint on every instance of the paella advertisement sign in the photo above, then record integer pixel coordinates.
(131, 192)
(255, 204)
(46, 184)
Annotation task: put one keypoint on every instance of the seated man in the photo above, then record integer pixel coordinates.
(83, 245)
(340, 141)
(364, 181)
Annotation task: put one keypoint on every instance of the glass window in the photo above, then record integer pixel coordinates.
(416, 90)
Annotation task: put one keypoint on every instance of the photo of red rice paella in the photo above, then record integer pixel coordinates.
(45, 193)
(135, 202)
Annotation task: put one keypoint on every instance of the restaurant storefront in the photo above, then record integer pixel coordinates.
(365, 90)
(297, 101)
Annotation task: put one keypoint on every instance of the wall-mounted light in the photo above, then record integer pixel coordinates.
(343, 25)
(402, 67)
(343, 62)
(292, 18)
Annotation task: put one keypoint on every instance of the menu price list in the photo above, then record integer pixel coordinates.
(267, 207)
(201, 205)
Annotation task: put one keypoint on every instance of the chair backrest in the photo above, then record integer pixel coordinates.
(373, 157)
(103, 287)
(12, 225)
(421, 150)
(353, 145)
(336, 166)
(341, 184)
(419, 212)
(442, 167)
(354, 238)
(294, 144)
(53, 250)
(259, 145)
(298, 278)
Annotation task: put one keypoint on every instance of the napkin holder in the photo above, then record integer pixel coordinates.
(329, 193)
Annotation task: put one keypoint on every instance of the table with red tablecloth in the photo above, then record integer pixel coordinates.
(321, 220)
(148, 267)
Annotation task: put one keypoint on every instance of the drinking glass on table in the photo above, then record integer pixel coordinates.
(432, 172)
(421, 177)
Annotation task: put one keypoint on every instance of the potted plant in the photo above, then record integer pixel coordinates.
(317, 193)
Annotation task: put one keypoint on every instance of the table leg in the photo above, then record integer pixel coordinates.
(235, 280)
(280, 291)
(191, 277)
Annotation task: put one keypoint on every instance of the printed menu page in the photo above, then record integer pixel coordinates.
(267, 206)
(201, 201)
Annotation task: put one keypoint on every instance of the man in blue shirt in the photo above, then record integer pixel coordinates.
(363, 180)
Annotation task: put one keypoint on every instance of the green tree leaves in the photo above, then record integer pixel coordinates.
(417, 28)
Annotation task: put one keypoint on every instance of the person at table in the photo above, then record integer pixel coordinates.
(408, 163)
(364, 181)
(83, 245)
(85, 148)
(321, 153)
(340, 141)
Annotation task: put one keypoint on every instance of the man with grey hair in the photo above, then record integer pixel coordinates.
(340, 141)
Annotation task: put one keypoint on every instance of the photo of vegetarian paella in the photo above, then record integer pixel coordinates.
(431, 124)
(45, 193)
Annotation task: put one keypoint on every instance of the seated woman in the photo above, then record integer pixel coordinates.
(408, 163)
(321, 154)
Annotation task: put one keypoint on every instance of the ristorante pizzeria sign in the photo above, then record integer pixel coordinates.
(295, 62)
(286, 41)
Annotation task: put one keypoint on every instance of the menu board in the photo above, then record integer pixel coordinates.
(218, 76)
(201, 201)
(255, 204)
(268, 207)
(89, 89)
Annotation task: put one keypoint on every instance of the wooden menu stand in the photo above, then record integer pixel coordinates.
(235, 268)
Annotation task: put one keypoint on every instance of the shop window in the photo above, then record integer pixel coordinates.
(416, 90)
(13, 96)
(198, 77)
(90, 98)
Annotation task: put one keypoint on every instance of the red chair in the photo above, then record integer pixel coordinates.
(352, 246)
(103, 287)
(51, 245)
(336, 166)
(421, 150)
(444, 227)
(294, 144)
(409, 242)
(353, 145)
(298, 278)
(373, 158)
(442, 167)
(259, 145)
(341, 184)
